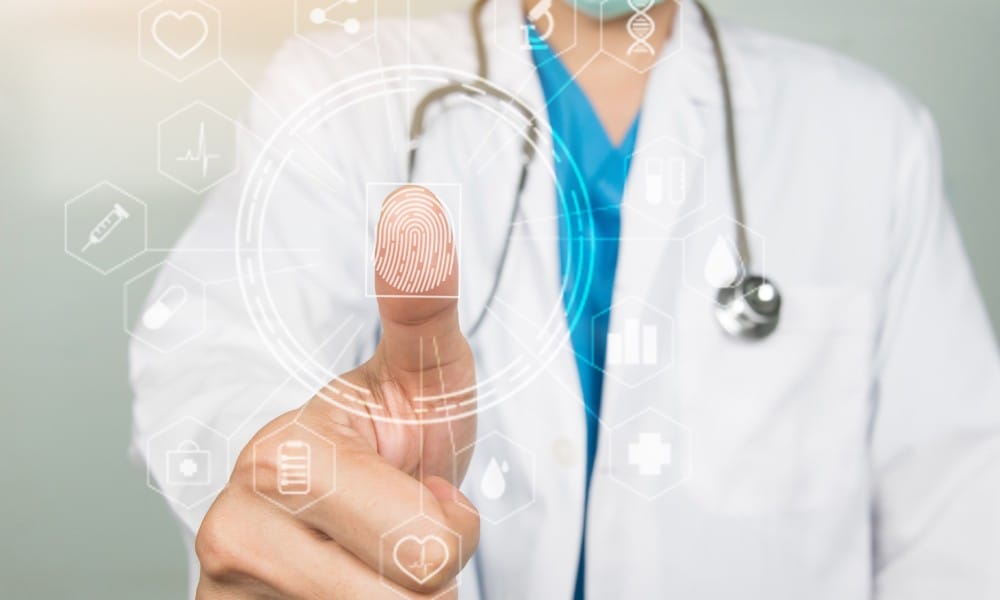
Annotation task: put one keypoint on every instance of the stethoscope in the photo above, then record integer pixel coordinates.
(748, 308)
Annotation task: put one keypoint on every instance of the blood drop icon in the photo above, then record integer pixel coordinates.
(494, 484)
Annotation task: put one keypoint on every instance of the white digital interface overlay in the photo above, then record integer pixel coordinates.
(420, 549)
(642, 28)
(374, 90)
(107, 229)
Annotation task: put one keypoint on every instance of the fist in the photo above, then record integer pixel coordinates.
(395, 523)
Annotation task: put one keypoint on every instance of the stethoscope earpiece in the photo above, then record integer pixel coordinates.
(750, 309)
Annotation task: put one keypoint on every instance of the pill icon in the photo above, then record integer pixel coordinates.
(166, 306)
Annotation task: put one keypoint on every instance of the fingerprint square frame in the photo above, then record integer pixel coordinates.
(450, 195)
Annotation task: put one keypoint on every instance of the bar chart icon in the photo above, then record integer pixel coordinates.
(654, 181)
(637, 345)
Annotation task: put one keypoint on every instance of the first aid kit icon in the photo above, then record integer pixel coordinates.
(189, 465)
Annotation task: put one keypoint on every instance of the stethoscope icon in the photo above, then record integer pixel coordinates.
(747, 307)
(539, 13)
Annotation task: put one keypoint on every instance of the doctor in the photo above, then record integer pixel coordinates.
(853, 452)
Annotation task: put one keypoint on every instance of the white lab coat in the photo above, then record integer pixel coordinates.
(854, 454)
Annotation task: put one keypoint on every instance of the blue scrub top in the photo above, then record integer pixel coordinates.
(604, 170)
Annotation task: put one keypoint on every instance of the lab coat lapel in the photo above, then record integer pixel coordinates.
(666, 183)
(537, 226)
(677, 187)
(678, 183)
(546, 419)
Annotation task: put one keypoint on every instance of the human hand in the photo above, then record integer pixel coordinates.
(388, 470)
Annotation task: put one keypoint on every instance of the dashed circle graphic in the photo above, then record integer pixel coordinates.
(414, 244)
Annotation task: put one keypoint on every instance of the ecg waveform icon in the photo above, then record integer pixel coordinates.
(200, 154)
(414, 244)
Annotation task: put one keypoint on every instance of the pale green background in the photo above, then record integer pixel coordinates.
(77, 107)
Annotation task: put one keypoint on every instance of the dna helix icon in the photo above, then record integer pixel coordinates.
(641, 27)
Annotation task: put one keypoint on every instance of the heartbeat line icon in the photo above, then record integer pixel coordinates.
(200, 153)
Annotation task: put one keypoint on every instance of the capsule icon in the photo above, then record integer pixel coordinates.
(165, 308)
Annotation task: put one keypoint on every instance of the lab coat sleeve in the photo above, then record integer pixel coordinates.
(226, 383)
(935, 440)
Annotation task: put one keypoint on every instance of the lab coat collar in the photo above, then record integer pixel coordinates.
(696, 59)
(688, 55)
(511, 64)
(684, 81)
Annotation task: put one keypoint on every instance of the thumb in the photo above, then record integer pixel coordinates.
(416, 281)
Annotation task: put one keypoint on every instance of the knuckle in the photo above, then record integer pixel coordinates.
(265, 465)
(258, 470)
(471, 539)
(218, 546)
(475, 520)
(243, 470)
(213, 550)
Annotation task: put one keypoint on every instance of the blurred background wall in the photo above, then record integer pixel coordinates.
(77, 107)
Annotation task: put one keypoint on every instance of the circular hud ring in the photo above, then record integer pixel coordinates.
(408, 270)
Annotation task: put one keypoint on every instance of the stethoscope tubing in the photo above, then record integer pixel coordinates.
(734, 312)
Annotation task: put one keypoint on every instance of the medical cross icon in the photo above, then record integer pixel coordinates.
(650, 453)
(188, 468)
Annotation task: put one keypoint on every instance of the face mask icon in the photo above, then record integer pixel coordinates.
(189, 465)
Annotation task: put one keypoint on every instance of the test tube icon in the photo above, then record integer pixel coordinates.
(678, 184)
(294, 468)
(106, 226)
(654, 181)
(168, 304)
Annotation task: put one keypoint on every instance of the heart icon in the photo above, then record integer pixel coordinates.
(419, 570)
(180, 34)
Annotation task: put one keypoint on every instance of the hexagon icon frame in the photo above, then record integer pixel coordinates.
(758, 264)
(213, 29)
(522, 52)
(298, 13)
(213, 487)
(689, 455)
(653, 372)
(145, 226)
(679, 26)
(382, 557)
(532, 463)
(333, 475)
(233, 167)
(182, 342)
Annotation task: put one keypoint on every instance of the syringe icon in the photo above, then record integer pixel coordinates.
(108, 224)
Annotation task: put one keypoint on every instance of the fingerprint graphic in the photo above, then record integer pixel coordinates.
(414, 246)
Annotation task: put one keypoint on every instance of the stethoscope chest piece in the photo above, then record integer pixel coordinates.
(750, 309)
